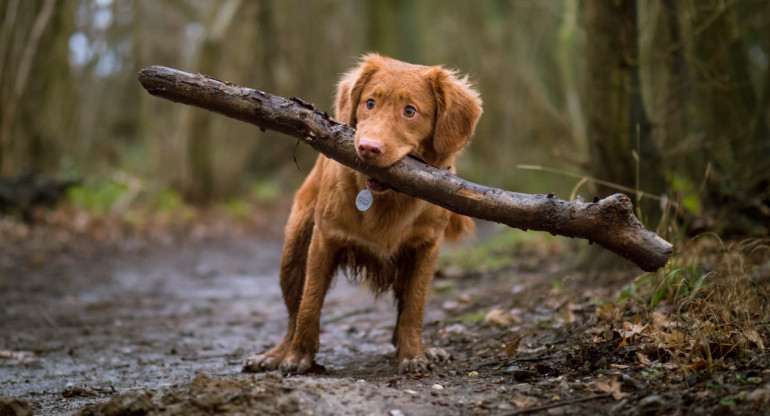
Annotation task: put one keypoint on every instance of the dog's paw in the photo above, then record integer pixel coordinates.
(260, 362)
(437, 355)
(415, 365)
(423, 364)
(296, 364)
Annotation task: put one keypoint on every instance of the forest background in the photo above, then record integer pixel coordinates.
(664, 100)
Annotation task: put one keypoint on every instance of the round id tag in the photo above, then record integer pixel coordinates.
(364, 200)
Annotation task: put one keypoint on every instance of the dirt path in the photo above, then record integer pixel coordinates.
(162, 329)
(154, 317)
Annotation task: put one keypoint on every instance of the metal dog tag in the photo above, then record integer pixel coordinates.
(364, 200)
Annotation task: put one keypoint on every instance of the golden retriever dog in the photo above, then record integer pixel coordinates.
(397, 109)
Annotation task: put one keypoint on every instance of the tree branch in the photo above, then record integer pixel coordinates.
(609, 222)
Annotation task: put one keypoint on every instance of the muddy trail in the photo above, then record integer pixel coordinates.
(161, 328)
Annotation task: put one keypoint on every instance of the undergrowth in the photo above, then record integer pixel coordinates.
(505, 248)
(708, 304)
(124, 205)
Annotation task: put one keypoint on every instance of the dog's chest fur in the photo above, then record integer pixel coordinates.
(378, 246)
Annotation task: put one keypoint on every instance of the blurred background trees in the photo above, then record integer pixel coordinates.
(665, 100)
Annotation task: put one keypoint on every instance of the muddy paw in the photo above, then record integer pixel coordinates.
(260, 362)
(437, 355)
(296, 364)
(415, 365)
(423, 364)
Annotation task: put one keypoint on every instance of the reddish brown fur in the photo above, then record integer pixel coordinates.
(394, 244)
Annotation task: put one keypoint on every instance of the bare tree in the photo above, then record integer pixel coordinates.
(620, 145)
(35, 84)
(733, 161)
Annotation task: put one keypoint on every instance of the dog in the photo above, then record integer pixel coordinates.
(397, 109)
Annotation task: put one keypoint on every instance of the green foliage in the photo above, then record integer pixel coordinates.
(498, 251)
(685, 189)
(730, 400)
(671, 282)
(652, 374)
(168, 200)
(237, 208)
(444, 286)
(265, 191)
(98, 198)
(470, 318)
(129, 198)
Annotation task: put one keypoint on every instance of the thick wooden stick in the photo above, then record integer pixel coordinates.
(609, 222)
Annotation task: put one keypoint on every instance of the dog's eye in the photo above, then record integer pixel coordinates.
(369, 104)
(410, 112)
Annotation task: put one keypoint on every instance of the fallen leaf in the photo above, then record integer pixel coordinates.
(609, 312)
(643, 359)
(533, 350)
(520, 400)
(543, 369)
(523, 375)
(759, 398)
(611, 386)
(671, 366)
(630, 330)
(510, 347)
(75, 391)
(674, 338)
(450, 330)
(499, 317)
(597, 330)
(698, 365)
(752, 335)
(662, 320)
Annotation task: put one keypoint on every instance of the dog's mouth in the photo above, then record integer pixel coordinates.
(375, 185)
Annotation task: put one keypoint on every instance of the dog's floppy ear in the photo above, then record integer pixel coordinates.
(350, 87)
(458, 108)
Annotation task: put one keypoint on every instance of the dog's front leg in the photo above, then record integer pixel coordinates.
(321, 264)
(410, 297)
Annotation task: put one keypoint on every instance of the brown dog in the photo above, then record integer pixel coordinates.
(398, 109)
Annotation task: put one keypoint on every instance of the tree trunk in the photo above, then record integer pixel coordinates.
(735, 142)
(35, 85)
(620, 144)
(610, 222)
(201, 188)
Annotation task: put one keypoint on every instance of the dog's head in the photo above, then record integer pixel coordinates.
(399, 109)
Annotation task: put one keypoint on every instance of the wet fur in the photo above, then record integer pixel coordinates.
(393, 245)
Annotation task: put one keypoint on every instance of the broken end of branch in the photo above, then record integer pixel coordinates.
(650, 252)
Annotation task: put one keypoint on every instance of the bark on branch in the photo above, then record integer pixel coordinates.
(609, 222)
